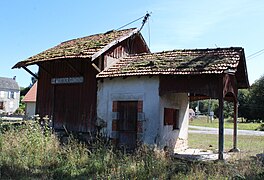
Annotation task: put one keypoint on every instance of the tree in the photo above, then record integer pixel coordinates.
(243, 100)
(256, 100)
(251, 102)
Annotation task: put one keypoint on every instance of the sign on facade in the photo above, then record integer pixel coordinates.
(67, 80)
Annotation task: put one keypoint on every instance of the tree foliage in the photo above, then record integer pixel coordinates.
(205, 106)
(252, 101)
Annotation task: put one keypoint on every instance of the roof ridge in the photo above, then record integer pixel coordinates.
(183, 50)
(191, 61)
(97, 34)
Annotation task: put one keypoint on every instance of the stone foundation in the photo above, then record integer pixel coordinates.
(181, 144)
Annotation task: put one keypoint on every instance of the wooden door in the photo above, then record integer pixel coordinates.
(66, 107)
(127, 124)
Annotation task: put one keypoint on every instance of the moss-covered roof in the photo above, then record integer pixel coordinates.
(193, 61)
(83, 47)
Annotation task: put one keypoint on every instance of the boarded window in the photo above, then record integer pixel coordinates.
(1, 105)
(171, 117)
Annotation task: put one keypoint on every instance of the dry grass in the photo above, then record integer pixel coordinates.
(28, 152)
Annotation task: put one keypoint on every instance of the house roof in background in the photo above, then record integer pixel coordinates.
(191, 61)
(84, 47)
(8, 84)
(31, 95)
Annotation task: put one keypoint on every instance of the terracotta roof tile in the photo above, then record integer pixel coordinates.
(193, 61)
(31, 95)
(83, 47)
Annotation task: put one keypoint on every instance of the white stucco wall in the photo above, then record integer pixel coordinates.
(146, 89)
(30, 109)
(133, 88)
(177, 138)
(11, 104)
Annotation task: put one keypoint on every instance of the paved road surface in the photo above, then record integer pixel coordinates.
(208, 130)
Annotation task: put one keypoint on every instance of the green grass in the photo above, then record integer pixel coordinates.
(203, 121)
(250, 145)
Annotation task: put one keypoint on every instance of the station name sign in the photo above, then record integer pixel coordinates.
(67, 80)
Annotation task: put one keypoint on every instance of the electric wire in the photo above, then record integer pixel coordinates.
(149, 34)
(130, 22)
(256, 54)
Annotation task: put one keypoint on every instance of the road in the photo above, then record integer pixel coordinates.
(208, 130)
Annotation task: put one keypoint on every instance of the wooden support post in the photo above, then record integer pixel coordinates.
(235, 125)
(221, 129)
(235, 149)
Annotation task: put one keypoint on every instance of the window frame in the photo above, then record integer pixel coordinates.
(171, 117)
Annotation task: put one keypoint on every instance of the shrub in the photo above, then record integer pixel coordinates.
(261, 127)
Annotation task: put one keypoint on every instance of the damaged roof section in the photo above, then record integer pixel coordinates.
(193, 61)
(84, 47)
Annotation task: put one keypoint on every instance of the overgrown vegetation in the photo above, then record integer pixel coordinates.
(30, 151)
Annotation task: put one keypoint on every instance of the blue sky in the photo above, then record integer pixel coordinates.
(31, 26)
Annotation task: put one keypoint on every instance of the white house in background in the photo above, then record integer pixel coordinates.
(30, 101)
(9, 95)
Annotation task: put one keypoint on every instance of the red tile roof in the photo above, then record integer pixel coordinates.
(84, 47)
(192, 61)
(196, 61)
(31, 95)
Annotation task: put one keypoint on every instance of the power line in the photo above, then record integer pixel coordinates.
(130, 22)
(258, 53)
(145, 19)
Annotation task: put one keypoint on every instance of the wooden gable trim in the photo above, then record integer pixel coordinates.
(113, 43)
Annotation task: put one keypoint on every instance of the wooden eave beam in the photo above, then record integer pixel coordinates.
(30, 72)
(44, 69)
(113, 43)
(73, 68)
(96, 67)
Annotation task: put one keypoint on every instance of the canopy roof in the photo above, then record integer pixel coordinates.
(189, 62)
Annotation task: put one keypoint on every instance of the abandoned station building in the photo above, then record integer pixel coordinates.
(112, 80)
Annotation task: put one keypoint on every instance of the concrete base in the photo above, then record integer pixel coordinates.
(234, 150)
(198, 154)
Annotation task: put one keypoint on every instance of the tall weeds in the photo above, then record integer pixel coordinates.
(33, 152)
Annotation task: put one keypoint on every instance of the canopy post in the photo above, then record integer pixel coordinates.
(221, 129)
(235, 149)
